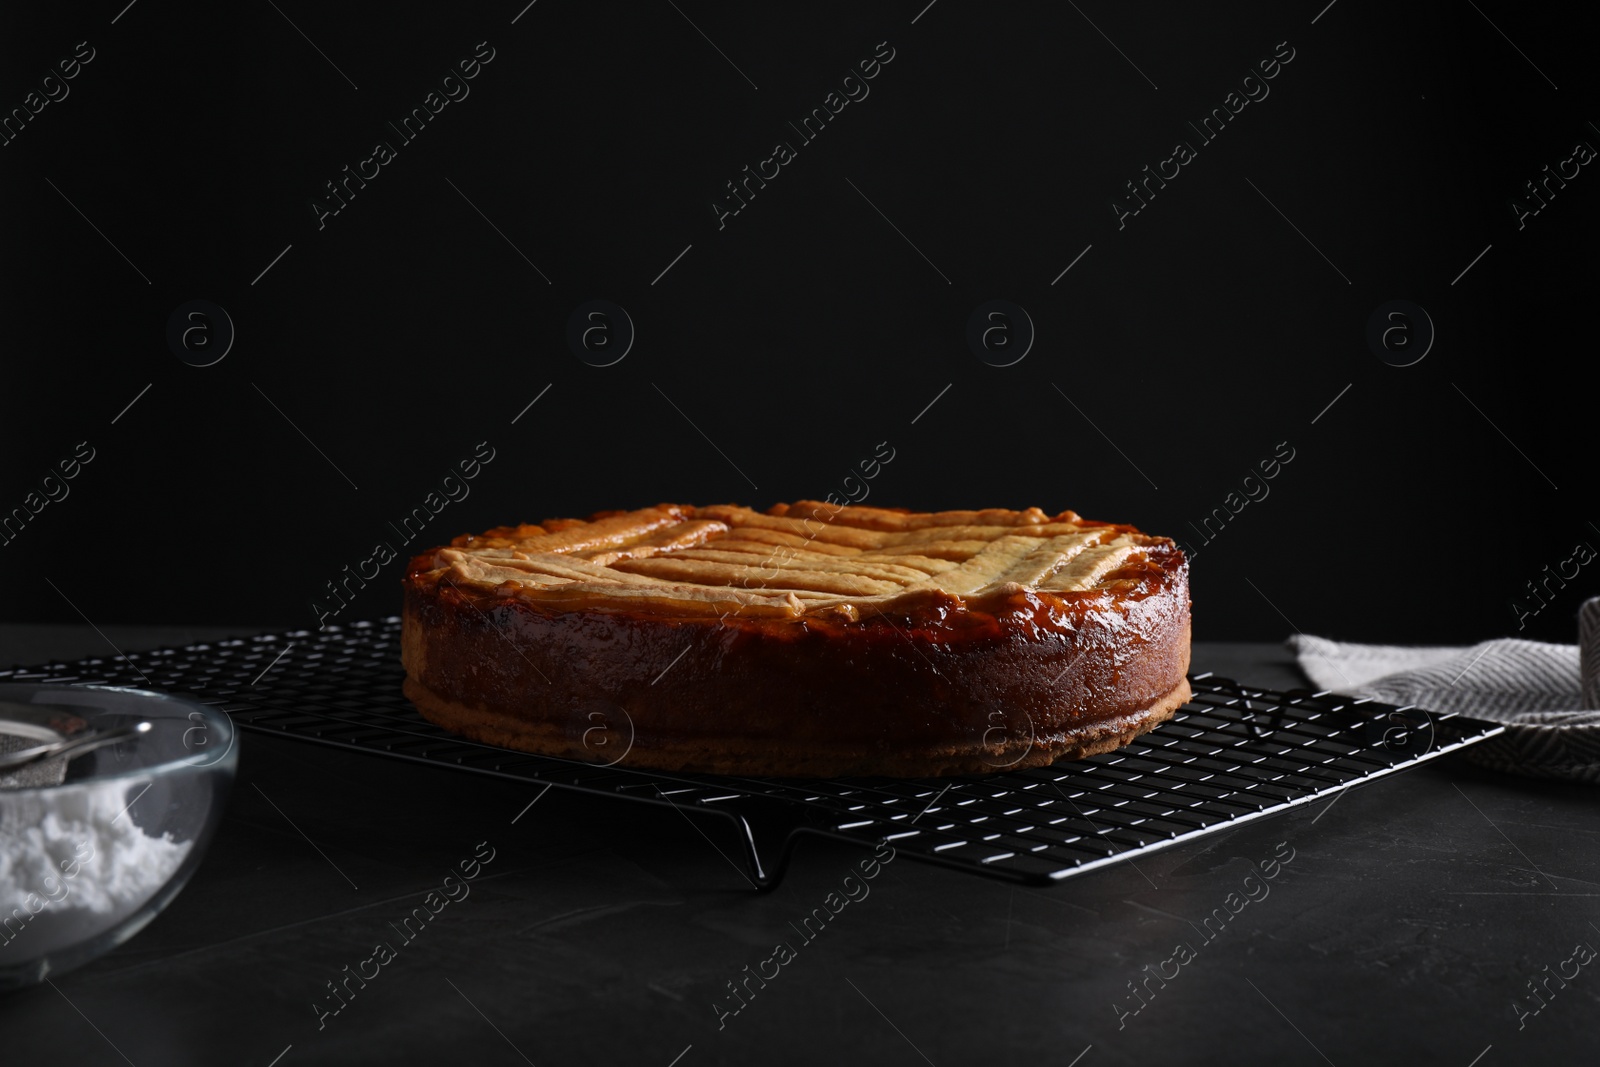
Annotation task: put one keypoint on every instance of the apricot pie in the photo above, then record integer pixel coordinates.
(808, 640)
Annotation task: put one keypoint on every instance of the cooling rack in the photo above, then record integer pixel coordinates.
(1233, 753)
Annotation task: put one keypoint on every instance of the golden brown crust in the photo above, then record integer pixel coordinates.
(890, 642)
(806, 559)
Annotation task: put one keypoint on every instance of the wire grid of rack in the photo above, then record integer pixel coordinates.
(1233, 753)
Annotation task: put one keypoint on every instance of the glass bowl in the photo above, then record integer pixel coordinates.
(92, 850)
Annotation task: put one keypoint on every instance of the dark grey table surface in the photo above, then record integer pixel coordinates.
(1413, 914)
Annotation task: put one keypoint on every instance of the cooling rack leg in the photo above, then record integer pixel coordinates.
(759, 871)
(767, 834)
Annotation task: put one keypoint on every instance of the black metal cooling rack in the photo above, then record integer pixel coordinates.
(1233, 753)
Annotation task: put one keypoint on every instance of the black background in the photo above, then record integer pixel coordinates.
(808, 330)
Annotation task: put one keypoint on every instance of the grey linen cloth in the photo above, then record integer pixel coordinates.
(1547, 695)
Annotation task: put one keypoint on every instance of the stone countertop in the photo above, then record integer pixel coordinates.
(1410, 916)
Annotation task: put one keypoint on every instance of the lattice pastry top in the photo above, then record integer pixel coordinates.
(794, 560)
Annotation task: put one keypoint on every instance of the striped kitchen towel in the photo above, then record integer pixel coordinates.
(1547, 695)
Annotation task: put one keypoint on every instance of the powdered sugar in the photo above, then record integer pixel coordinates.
(76, 852)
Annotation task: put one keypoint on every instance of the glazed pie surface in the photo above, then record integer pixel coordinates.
(792, 561)
(809, 639)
